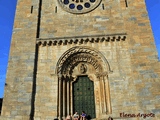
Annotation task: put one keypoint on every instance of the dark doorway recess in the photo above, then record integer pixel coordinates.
(83, 96)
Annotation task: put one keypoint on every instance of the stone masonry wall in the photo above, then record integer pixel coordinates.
(63, 24)
(134, 83)
(47, 83)
(18, 91)
(144, 60)
(141, 82)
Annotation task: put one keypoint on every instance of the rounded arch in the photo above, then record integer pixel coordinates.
(78, 54)
(82, 61)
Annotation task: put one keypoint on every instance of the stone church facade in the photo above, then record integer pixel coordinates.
(73, 55)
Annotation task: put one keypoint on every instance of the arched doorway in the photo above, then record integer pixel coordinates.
(90, 66)
(83, 96)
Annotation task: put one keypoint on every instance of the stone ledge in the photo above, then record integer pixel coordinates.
(81, 39)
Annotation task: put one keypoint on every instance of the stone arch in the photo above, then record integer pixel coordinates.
(68, 64)
(81, 54)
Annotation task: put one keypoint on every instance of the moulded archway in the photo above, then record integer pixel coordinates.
(83, 61)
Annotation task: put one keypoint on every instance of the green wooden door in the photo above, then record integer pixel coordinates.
(83, 96)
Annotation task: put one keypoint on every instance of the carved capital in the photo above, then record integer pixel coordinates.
(103, 74)
(60, 77)
(74, 78)
(92, 77)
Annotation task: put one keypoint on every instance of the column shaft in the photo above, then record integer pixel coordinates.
(104, 95)
(68, 96)
(64, 98)
(108, 96)
(71, 98)
(60, 95)
(100, 96)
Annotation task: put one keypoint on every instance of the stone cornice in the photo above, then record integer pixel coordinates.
(81, 39)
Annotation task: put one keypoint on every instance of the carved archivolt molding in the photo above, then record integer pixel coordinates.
(81, 58)
(79, 54)
(81, 39)
(77, 58)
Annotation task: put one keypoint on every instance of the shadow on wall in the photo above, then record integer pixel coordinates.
(1, 100)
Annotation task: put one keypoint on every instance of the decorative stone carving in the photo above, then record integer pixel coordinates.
(81, 39)
(83, 68)
(103, 74)
(78, 54)
(82, 59)
(92, 77)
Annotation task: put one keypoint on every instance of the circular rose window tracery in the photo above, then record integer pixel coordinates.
(79, 6)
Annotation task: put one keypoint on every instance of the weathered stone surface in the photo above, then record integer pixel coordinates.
(122, 60)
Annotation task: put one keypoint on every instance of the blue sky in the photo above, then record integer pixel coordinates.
(7, 11)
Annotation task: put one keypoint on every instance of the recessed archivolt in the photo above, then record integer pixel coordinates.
(74, 58)
(75, 55)
(73, 61)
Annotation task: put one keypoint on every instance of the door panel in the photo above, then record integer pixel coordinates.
(83, 96)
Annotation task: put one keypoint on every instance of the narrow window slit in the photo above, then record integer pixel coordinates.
(126, 3)
(31, 9)
(103, 6)
(56, 9)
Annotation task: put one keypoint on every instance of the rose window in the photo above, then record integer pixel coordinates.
(79, 6)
